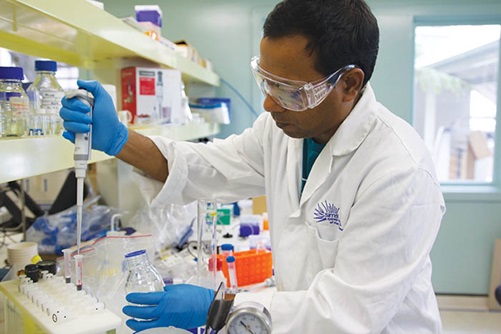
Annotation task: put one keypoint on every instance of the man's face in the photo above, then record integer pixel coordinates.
(287, 57)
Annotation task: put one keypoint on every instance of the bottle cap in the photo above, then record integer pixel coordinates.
(230, 259)
(45, 65)
(49, 265)
(227, 247)
(32, 271)
(135, 253)
(10, 72)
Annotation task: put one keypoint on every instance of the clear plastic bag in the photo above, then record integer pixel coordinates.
(53, 233)
(171, 224)
(104, 269)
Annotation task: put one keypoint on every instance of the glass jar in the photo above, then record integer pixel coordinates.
(142, 276)
(45, 94)
(14, 103)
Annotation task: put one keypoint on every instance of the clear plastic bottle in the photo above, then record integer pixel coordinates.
(14, 103)
(142, 276)
(45, 95)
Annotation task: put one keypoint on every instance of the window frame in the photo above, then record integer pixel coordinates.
(468, 190)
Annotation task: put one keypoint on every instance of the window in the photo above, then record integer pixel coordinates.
(455, 98)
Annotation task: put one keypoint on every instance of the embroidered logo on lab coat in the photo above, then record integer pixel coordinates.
(327, 212)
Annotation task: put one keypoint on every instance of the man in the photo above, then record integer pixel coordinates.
(353, 202)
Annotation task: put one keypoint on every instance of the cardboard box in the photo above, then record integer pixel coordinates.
(152, 95)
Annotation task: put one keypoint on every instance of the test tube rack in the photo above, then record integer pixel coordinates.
(53, 306)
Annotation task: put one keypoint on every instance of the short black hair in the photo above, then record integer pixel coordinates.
(340, 32)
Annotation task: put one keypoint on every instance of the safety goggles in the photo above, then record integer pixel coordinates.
(293, 94)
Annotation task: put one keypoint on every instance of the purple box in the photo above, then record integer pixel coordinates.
(149, 13)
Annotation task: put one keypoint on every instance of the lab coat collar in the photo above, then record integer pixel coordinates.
(348, 137)
(352, 132)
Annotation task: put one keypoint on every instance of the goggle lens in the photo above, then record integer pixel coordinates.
(295, 95)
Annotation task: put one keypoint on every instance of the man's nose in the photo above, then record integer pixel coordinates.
(270, 105)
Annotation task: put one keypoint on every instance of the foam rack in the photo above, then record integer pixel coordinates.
(53, 306)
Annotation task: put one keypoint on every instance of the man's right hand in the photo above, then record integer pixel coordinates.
(108, 133)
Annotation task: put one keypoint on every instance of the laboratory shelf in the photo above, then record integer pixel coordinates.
(80, 34)
(26, 157)
(32, 156)
(181, 132)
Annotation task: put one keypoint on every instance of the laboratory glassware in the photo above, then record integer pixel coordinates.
(14, 103)
(142, 276)
(45, 94)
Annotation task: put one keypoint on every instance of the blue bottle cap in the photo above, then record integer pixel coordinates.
(45, 65)
(135, 253)
(11, 72)
(226, 247)
(230, 259)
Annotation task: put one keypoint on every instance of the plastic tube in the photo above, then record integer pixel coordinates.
(227, 250)
(230, 260)
(67, 268)
(78, 271)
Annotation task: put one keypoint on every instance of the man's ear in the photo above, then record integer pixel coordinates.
(352, 83)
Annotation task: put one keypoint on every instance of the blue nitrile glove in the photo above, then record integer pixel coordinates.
(180, 305)
(108, 133)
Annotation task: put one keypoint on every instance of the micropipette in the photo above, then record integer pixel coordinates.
(83, 149)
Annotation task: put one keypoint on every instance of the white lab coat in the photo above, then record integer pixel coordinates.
(351, 254)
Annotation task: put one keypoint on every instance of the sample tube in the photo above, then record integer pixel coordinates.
(227, 250)
(78, 271)
(230, 260)
(67, 268)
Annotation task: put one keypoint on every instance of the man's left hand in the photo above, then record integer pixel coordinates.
(181, 305)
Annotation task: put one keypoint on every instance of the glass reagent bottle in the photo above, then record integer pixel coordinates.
(142, 276)
(14, 103)
(45, 94)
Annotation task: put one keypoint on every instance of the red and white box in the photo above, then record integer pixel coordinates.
(152, 95)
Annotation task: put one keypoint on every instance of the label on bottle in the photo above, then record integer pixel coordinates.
(16, 122)
(51, 99)
(19, 105)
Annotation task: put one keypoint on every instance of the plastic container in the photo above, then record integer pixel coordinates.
(227, 249)
(251, 267)
(142, 276)
(14, 103)
(230, 263)
(45, 96)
